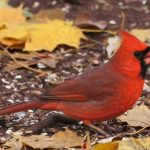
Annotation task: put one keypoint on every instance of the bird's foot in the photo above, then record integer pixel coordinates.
(98, 130)
(50, 120)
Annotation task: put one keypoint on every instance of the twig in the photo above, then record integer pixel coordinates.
(123, 20)
(95, 41)
(99, 31)
(72, 49)
(138, 130)
(98, 130)
(21, 64)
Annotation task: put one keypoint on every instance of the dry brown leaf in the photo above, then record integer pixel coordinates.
(44, 15)
(84, 20)
(138, 116)
(50, 62)
(62, 139)
(13, 144)
(13, 65)
(23, 56)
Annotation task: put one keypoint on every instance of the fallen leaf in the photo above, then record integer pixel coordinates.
(145, 142)
(128, 144)
(50, 14)
(138, 116)
(50, 62)
(49, 35)
(106, 146)
(4, 4)
(14, 35)
(13, 144)
(142, 34)
(84, 20)
(9, 16)
(13, 65)
(41, 36)
(62, 139)
(24, 56)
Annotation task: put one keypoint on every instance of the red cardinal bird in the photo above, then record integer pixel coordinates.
(103, 92)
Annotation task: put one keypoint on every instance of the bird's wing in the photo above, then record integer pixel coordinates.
(91, 85)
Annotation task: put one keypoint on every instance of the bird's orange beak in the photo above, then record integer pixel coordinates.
(147, 57)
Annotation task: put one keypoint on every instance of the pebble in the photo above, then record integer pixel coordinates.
(80, 122)
(112, 22)
(20, 115)
(54, 3)
(106, 140)
(15, 89)
(8, 87)
(44, 134)
(147, 23)
(17, 100)
(26, 99)
(3, 139)
(18, 133)
(4, 81)
(41, 66)
(28, 132)
(120, 3)
(36, 4)
(10, 100)
(18, 77)
(30, 111)
(66, 8)
(9, 131)
(144, 2)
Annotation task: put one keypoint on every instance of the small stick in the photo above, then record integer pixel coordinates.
(138, 130)
(123, 20)
(98, 129)
(72, 49)
(21, 64)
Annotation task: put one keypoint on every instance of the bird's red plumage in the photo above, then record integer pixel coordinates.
(102, 93)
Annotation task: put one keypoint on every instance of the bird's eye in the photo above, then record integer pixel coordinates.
(138, 54)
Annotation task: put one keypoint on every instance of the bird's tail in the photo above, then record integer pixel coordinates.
(20, 107)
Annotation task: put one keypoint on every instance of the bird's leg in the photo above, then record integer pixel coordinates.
(108, 127)
(99, 130)
(50, 120)
(92, 126)
(55, 118)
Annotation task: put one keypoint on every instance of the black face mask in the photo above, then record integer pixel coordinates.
(140, 55)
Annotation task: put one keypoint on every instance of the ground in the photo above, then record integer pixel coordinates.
(21, 84)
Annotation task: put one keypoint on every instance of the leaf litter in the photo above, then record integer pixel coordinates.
(61, 139)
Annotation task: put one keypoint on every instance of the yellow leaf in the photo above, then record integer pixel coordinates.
(106, 146)
(145, 142)
(128, 144)
(9, 16)
(142, 34)
(16, 34)
(49, 35)
(41, 36)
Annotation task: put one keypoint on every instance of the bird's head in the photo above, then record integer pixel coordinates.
(133, 55)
